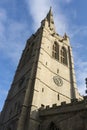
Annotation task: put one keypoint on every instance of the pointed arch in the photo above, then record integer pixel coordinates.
(63, 54)
(55, 51)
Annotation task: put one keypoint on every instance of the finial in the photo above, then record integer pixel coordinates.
(50, 11)
(65, 36)
(50, 20)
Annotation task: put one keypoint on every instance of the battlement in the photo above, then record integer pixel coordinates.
(74, 106)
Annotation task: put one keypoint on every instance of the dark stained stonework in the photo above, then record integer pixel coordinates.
(72, 116)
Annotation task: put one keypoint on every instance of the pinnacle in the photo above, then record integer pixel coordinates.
(50, 11)
(50, 19)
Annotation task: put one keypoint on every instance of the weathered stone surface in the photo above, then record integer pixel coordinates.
(69, 117)
(45, 76)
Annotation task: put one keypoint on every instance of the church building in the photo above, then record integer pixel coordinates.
(44, 94)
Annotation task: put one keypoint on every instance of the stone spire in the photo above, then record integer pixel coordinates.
(50, 19)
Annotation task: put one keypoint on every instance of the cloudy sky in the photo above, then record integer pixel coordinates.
(20, 18)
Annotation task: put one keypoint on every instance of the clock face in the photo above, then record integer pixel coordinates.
(57, 80)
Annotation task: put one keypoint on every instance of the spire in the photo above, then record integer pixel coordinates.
(50, 13)
(50, 19)
(65, 36)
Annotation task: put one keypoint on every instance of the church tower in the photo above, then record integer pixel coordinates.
(45, 76)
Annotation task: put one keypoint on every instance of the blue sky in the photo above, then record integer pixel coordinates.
(20, 18)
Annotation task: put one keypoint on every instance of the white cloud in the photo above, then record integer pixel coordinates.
(78, 30)
(77, 45)
(3, 94)
(65, 1)
(81, 74)
(3, 17)
(38, 11)
(61, 23)
(12, 37)
(68, 1)
(3, 91)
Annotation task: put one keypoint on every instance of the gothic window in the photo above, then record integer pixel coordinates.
(63, 56)
(53, 126)
(55, 51)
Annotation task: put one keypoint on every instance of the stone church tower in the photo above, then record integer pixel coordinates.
(45, 76)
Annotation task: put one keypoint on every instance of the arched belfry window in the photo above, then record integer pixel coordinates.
(53, 126)
(63, 56)
(55, 51)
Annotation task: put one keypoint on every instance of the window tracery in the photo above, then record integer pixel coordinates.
(63, 54)
(55, 51)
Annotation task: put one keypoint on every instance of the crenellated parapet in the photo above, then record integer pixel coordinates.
(75, 105)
